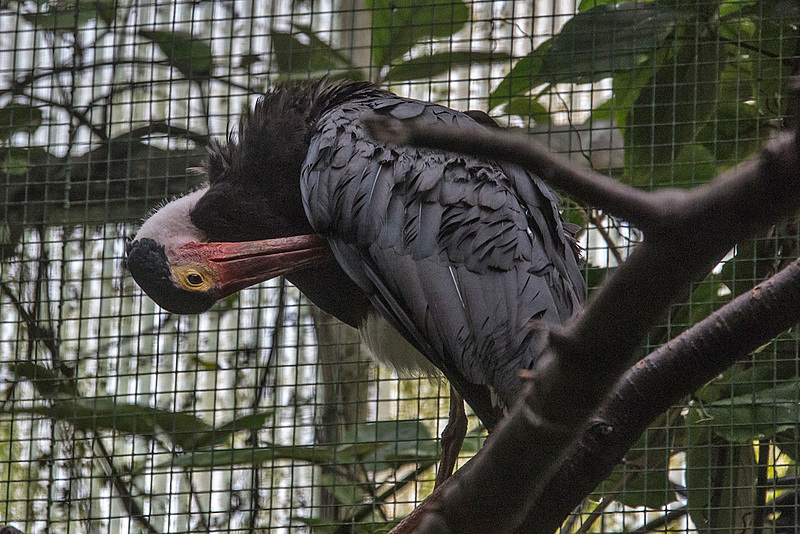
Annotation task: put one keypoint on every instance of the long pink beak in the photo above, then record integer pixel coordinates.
(240, 265)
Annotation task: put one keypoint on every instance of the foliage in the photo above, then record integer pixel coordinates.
(397, 30)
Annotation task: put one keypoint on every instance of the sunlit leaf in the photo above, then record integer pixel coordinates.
(427, 67)
(398, 25)
(187, 53)
(607, 39)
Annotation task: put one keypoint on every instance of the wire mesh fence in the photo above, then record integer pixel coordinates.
(267, 414)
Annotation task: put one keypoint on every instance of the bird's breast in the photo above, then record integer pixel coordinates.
(392, 349)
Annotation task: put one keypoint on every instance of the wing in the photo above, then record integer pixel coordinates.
(458, 253)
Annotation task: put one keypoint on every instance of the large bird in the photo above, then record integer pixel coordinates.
(464, 258)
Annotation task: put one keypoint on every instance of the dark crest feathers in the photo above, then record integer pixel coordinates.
(275, 132)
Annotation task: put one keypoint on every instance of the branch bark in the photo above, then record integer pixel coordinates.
(686, 234)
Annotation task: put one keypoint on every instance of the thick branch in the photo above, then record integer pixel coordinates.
(686, 234)
(661, 380)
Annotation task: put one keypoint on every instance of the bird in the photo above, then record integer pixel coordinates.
(446, 263)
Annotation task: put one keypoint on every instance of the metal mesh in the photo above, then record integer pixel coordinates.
(265, 413)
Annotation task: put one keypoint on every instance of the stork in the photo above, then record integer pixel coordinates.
(444, 262)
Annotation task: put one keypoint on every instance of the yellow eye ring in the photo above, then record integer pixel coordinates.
(194, 277)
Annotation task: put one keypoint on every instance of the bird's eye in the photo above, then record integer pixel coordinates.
(194, 279)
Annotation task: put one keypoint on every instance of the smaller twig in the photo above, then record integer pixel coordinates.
(35, 331)
(128, 501)
(365, 510)
(277, 331)
(610, 244)
(662, 521)
(601, 507)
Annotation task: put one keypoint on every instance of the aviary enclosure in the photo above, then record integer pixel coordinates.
(265, 414)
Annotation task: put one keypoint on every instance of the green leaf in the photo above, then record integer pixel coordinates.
(474, 440)
(295, 57)
(15, 118)
(17, 160)
(645, 473)
(318, 44)
(401, 442)
(749, 378)
(190, 55)
(720, 478)
(46, 382)
(694, 165)
(586, 5)
(96, 414)
(768, 69)
(607, 39)
(370, 524)
(68, 19)
(398, 25)
(427, 67)
(757, 415)
(524, 76)
(595, 276)
(251, 422)
(626, 87)
(528, 107)
(317, 455)
(776, 11)
(246, 61)
(734, 134)
(345, 492)
(671, 109)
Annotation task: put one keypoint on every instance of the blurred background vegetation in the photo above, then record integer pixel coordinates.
(264, 414)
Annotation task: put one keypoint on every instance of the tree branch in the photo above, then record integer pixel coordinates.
(690, 231)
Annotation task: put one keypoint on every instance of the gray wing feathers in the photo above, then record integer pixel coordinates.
(460, 253)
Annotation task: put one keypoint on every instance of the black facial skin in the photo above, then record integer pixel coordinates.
(149, 266)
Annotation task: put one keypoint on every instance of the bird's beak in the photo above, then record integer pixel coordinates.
(240, 265)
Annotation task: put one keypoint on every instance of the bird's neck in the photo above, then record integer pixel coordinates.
(347, 302)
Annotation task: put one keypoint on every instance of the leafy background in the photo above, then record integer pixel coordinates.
(264, 413)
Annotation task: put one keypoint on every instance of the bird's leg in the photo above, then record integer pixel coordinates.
(452, 437)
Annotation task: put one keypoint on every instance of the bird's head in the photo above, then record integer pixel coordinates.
(249, 223)
(174, 262)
